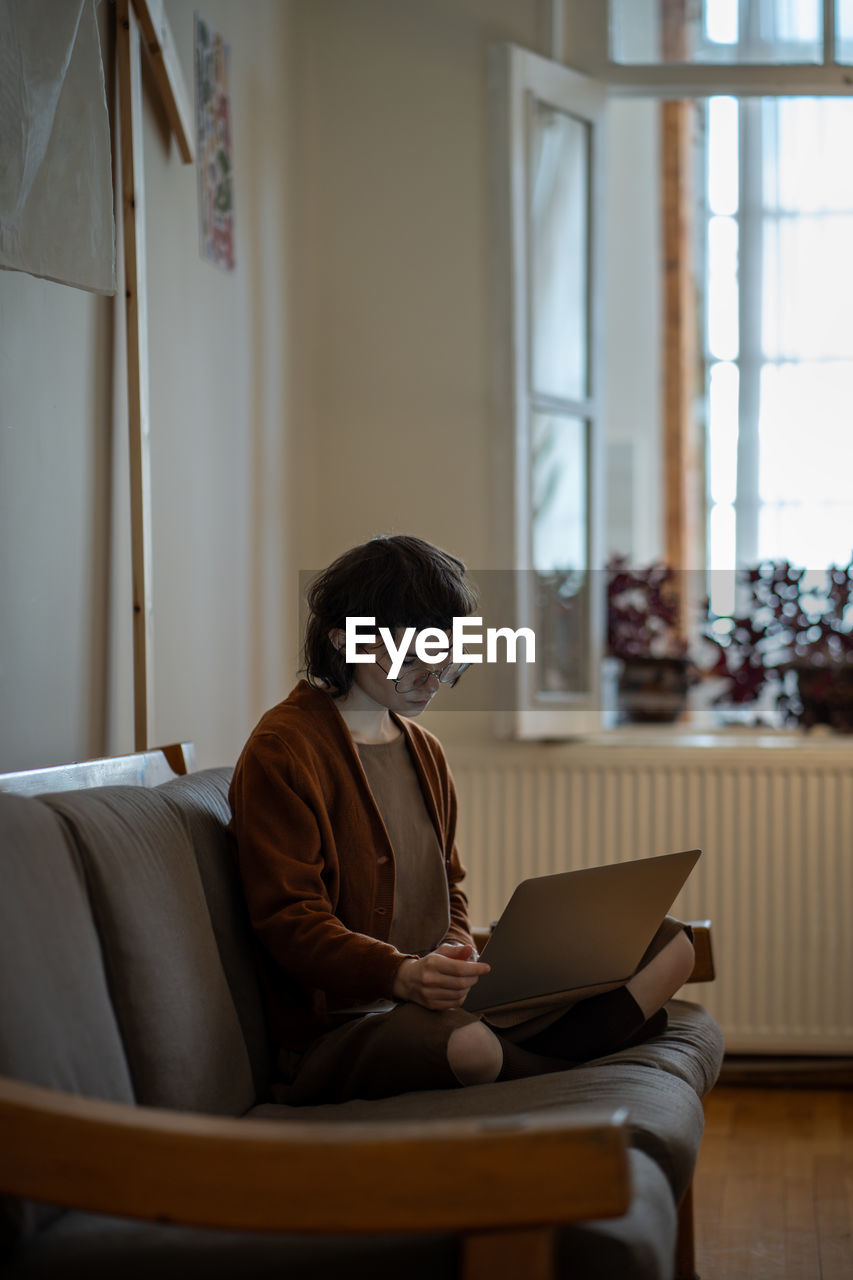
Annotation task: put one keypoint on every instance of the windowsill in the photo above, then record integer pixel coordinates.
(685, 743)
(717, 736)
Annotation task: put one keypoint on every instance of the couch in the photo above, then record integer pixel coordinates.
(137, 1134)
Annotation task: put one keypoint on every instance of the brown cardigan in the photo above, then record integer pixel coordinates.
(317, 865)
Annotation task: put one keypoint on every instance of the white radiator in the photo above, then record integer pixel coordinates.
(774, 818)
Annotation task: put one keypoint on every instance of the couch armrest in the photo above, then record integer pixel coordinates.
(703, 969)
(140, 769)
(259, 1175)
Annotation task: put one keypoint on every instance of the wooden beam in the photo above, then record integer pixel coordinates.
(683, 505)
(142, 24)
(529, 1253)
(159, 44)
(136, 318)
(679, 369)
(685, 1243)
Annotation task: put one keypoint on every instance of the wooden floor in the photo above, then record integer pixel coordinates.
(774, 1185)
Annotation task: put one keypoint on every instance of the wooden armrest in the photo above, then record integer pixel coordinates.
(703, 969)
(139, 769)
(267, 1175)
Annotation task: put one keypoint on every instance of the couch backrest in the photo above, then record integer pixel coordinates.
(179, 1026)
(57, 1024)
(202, 799)
(126, 957)
(146, 862)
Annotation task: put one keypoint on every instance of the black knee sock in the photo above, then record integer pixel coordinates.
(519, 1062)
(591, 1028)
(654, 1026)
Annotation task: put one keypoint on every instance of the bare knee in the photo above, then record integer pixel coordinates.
(474, 1054)
(662, 977)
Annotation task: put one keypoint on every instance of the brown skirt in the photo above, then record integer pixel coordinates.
(375, 1056)
(405, 1049)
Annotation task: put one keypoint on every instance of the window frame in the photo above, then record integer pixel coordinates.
(517, 78)
(586, 44)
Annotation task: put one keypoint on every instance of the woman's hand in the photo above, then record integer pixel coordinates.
(440, 980)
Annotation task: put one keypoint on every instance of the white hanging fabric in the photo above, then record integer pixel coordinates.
(56, 194)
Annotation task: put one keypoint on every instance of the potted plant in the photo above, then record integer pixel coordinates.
(644, 634)
(792, 634)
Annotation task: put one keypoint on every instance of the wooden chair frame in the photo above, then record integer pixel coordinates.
(505, 1185)
(524, 1175)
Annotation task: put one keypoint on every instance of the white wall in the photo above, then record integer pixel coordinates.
(395, 226)
(54, 487)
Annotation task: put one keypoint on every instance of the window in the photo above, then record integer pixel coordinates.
(678, 48)
(779, 368)
(776, 228)
(779, 335)
(717, 31)
(547, 268)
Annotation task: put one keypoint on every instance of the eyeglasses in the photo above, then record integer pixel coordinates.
(417, 677)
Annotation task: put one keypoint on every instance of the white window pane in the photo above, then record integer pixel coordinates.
(773, 317)
(769, 31)
(635, 31)
(807, 274)
(806, 145)
(559, 492)
(844, 30)
(802, 323)
(560, 551)
(559, 252)
(722, 539)
(809, 536)
(722, 288)
(721, 21)
(800, 21)
(723, 432)
(805, 440)
(721, 559)
(723, 155)
(722, 592)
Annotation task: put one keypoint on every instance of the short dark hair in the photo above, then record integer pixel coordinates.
(399, 580)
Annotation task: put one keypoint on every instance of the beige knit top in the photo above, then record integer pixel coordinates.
(421, 903)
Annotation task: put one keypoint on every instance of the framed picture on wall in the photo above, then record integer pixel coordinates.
(214, 150)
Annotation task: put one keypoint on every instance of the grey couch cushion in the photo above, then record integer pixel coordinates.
(202, 799)
(180, 1029)
(691, 1049)
(57, 1026)
(665, 1116)
(89, 1247)
(665, 1112)
(638, 1246)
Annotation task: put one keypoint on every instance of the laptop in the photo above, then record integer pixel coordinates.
(578, 932)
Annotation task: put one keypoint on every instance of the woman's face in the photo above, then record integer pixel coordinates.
(372, 680)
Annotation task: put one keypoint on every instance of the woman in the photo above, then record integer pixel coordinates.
(344, 815)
